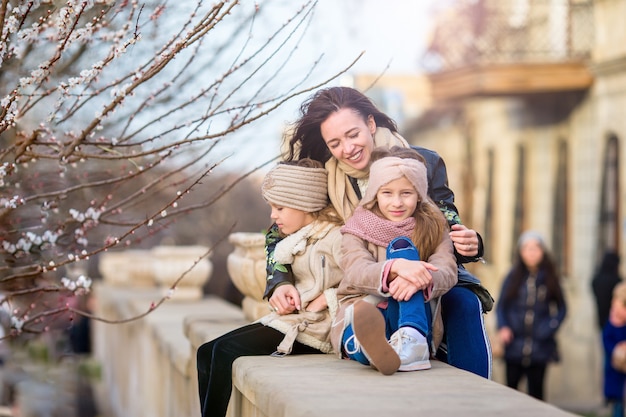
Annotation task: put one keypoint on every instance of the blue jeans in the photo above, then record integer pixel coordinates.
(465, 345)
(411, 313)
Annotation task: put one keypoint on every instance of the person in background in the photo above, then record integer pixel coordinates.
(604, 280)
(614, 342)
(311, 244)
(529, 313)
(340, 126)
(386, 288)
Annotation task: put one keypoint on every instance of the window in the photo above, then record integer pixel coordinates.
(608, 228)
(560, 215)
(489, 220)
(520, 199)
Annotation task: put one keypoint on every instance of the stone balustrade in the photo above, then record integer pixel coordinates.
(149, 366)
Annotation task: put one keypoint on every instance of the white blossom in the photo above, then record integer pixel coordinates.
(50, 237)
(9, 247)
(24, 245)
(80, 285)
(90, 214)
(4, 169)
(16, 323)
(12, 203)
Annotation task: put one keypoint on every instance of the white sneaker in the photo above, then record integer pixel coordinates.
(414, 354)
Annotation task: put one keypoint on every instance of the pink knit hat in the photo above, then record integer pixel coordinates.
(390, 168)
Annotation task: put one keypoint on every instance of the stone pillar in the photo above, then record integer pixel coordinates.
(161, 266)
(131, 267)
(246, 268)
(171, 262)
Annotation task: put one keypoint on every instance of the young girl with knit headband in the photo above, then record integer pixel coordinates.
(311, 244)
(383, 320)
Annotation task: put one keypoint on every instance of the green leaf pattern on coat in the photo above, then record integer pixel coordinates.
(451, 216)
(271, 238)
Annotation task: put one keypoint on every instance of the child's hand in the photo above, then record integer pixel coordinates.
(401, 289)
(285, 300)
(408, 277)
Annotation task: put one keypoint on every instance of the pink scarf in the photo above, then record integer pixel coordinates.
(375, 229)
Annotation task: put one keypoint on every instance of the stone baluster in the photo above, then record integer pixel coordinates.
(161, 267)
(171, 262)
(246, 268)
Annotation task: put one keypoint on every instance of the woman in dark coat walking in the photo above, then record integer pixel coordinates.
(529, 312)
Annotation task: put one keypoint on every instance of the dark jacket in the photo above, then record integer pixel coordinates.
(604, 280)
(613, 379)
(537, 332)
(438, 190)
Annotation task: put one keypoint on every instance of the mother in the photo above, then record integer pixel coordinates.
(340, 127)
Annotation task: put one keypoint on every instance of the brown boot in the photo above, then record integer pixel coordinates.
(368, 325)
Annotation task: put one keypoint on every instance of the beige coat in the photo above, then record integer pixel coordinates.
(363, 264)
(316, 270)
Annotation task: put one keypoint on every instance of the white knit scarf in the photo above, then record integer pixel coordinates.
(296, 243)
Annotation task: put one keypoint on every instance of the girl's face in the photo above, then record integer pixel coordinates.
(349, 138)
(289, 220)
(531, 253)
(397, 200)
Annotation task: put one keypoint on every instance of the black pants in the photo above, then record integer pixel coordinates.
(534, 373)
(215, 361)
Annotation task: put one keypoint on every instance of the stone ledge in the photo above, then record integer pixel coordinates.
(322, 385)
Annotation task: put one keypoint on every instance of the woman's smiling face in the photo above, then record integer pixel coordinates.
(349, 138)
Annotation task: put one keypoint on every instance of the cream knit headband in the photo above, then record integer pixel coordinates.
(296, 187)
(390, 168)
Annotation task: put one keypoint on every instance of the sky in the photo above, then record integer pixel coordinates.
(392, 34)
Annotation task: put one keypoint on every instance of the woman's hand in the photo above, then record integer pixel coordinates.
(285, 299)
(408, 277)
(318, 304)
(505, 334)
(465, 240)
